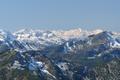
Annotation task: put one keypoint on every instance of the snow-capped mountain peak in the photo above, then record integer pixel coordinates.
(5, 35)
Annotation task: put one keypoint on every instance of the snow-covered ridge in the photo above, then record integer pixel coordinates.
(30, 39)
(46, 37)
(45, 34)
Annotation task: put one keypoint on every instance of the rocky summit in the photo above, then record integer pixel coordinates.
(59, 55)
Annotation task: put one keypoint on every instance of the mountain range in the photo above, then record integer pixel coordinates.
(74, 54)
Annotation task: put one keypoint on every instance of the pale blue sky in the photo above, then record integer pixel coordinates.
(60, 14)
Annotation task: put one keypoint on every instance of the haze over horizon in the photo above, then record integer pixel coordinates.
(63, 14)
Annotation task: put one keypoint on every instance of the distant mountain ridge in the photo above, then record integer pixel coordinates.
(36, 39)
